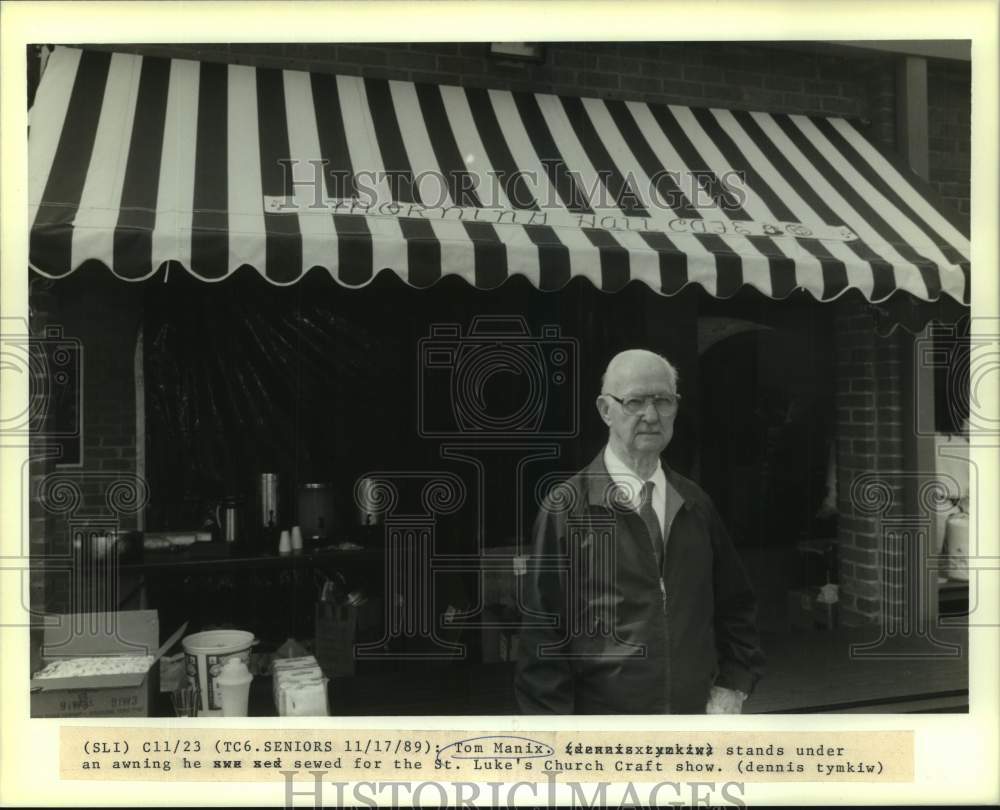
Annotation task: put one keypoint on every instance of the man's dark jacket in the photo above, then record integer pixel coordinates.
(613, 640)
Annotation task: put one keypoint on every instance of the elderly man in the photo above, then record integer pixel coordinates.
(636, 599)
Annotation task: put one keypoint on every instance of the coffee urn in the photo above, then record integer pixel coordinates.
(316, 510)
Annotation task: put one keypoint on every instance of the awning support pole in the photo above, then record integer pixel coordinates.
(919, 420)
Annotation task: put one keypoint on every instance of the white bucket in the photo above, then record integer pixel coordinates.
(204, 656)
(956, 547)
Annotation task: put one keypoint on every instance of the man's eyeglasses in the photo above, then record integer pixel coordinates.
(633, 406)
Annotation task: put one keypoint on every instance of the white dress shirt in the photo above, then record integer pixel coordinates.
(632, 485)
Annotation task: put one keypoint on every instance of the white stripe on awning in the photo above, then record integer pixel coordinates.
(138, 161)
(175, 187)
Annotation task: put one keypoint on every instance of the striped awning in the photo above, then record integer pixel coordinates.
(137, 161)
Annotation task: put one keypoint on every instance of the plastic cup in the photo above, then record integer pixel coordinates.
(234, 688)
(296, 538)
(285, 542)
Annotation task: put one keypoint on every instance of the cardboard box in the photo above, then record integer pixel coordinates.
(127, 632)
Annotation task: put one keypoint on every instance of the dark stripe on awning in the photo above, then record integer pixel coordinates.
(51, 240)
(284, 239)
(210, 216)
(133, 239)
(354, 239)
(423, 251)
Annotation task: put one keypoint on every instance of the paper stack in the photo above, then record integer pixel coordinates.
(299, 687)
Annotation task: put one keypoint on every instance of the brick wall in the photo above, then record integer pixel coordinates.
(103, 314)
(949, 85)
(869, 424)
(43, 312)
(735, 75)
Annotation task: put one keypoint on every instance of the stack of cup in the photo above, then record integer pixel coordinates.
(290, 540)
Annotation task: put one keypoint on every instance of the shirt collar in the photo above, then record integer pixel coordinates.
(621, 475)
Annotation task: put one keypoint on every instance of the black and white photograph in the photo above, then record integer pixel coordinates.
(535, 380)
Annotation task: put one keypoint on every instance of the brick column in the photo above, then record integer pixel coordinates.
(881, 87)
(45, 592)
(869, 424)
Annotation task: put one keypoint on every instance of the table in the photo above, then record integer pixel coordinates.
(202, 558)
(807, 672)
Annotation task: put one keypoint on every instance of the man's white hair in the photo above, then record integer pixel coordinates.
(632, 353)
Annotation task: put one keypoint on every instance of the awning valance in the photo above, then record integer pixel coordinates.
(139, 161)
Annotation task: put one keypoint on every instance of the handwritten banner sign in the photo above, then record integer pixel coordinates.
(560, 218)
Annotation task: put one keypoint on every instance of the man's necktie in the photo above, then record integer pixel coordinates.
(649, 517)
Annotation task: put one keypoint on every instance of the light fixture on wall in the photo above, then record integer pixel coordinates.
(518, 51)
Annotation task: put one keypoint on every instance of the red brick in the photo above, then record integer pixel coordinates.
(866, 573)
(858, 555)
(742, 79)
(592, 79)
(362, 54)
(869, 606)
(414, 60)
(618, 64)
(779, 82)
(859, 524)
(863, 447)
(764, 99)
(642, 84)
(705, 75)
(661, 70)
(460, 65)
(846, 430)
(574, 59)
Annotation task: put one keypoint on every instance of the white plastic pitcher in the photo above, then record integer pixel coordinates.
(205, 654)
(234, 687)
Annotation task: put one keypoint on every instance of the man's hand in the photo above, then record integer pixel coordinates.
(724, 701)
